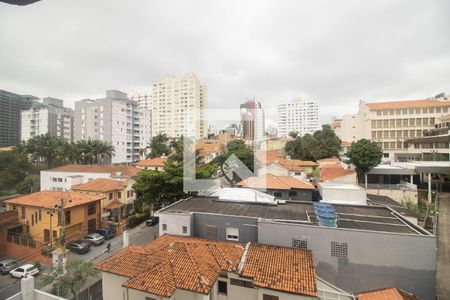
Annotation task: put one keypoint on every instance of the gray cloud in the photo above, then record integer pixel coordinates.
(337, 52)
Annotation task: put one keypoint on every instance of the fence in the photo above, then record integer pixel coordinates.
(22, 247)
(93, 292)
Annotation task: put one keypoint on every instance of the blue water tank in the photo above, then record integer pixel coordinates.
(326, 214)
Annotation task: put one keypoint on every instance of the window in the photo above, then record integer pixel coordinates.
(211, 232)
(277, 194)
(23, 213)
(40, 215)
(232, 233)
(91, 209)
(222, 287)
(339, 250)
(292, 193)
(164, 227)
(240, 282)
(302, 244)
(270, 297)
(67, 217)
(184, 229)
(119, 195)
(32, 220)
(110, 196)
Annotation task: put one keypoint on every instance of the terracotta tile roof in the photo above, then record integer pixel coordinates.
(296, 165)
(333, 172)
(208, 148)
(114, 204)
(269, 181)
(269, 156)
(281, 268)
(345, 143)
(101, 185)
(387, 294)
(174, 262)
(154, 162)
(408, 104)
(329, 160)
(125, 170)
(48, 199)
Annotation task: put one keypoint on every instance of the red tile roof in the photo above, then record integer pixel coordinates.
(124, 170)
(269, 181)
(154, 162)
(114, 204)
(101, 185)
(50, 199)
(174, 262)
(408, 104)
(296, 165)
(269, 156)
(329, 159)
(387, 294)
(333, 172)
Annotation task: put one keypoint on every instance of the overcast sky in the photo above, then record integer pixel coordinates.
(337, 52)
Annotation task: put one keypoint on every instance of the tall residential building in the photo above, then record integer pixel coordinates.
(299, 115)
(392, 124)
(48, 117)
(116, 120)
(178, 107)
(347, 128)
(144, 101)
(252, 120)
(10, 106)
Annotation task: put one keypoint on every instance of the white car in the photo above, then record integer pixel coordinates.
(24, 270)
(94, 238)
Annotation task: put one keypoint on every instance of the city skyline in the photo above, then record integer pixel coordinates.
(260, 50)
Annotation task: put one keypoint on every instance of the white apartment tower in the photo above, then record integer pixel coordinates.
(178, 104)
(47, 117)
(144, 101)
(299, 115)
(116, 120)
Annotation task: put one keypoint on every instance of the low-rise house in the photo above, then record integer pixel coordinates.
(187, 268)
(281, 187)
(64, 177)
(288, 167)
(388, 294)
(269, 156)
(364, 248)
(328, 161)
(337, 173)
(156, 164)
(119, 196)
(43, 214)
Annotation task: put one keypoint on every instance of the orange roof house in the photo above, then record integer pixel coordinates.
(154, 163)
(269, 181)
(100, 185)
(296, 165)
(329, 160)
(269, 156)
(387, 294)
(50, 199)
(337, 173)
(172, 263)
(111, 169)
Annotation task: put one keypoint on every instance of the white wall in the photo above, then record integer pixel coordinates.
(175, 223)
(112, 286)
(335, 194)
(47, 182)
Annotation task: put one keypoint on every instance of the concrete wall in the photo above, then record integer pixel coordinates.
(336, 194)
(175, 222)
(248, 230)
(375, 259)
(397, 195)
(112, 286)
(48, 184)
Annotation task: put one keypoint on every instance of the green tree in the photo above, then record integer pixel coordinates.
(30, 184)
(14, 167)
(235, 145)
(76, 275)
(159, 145)
(293, 134)
(364, 155)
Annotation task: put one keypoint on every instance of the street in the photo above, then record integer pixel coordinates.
(140, 235)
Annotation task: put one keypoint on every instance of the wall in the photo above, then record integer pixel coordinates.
(397, 195)
(48, 184)
(21, 251)
(341, 195)
(112, 286)
(175, 223)
(248, 230)
(375, 259)
(303, 195)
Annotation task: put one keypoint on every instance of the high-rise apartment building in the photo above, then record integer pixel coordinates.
(47, 117)
(392, 124)
(252, 120)
(10, 106)
(116, 120)
(144, 101)
(299, 116)
(178, 107)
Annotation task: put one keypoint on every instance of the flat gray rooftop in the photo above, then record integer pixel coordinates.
(374, 218)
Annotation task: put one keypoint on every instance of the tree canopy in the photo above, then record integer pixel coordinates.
(322, 144)
(364, 155)
(159, 146)
(14, 167)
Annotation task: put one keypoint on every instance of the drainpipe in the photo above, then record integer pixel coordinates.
(429, 187)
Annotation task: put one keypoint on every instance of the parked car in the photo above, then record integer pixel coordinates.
(152, 221)
(106, 233)
(94, 238)
(79, 246)
(7, 265)
(24, 270)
